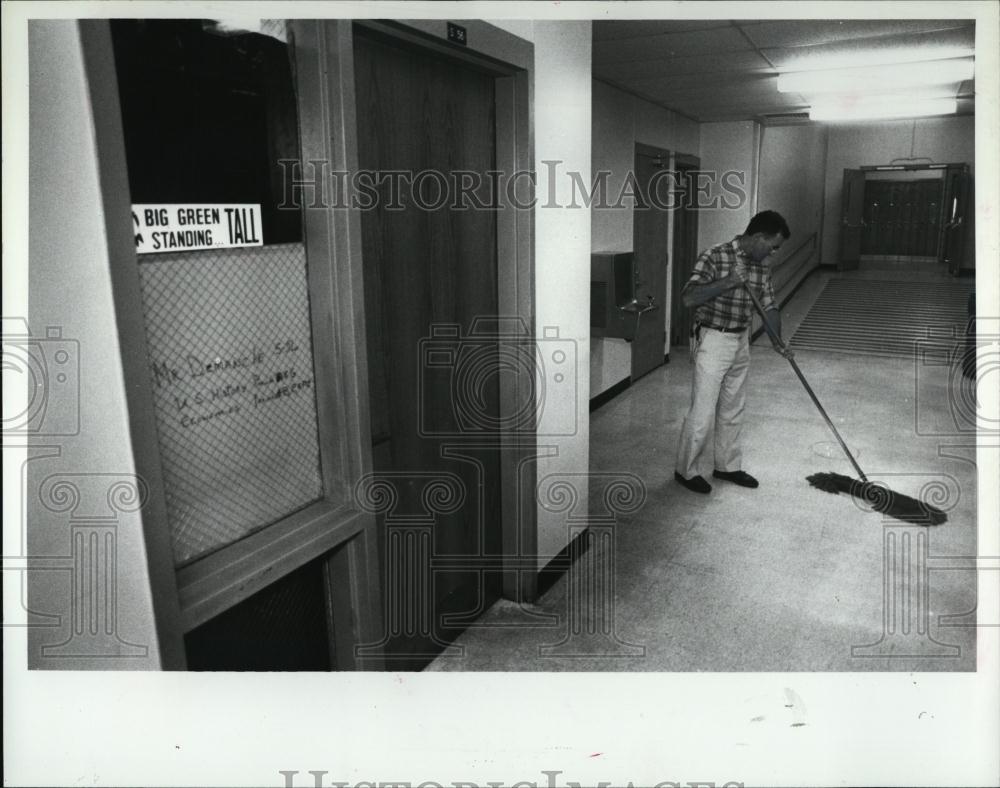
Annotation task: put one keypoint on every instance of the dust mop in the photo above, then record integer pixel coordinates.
(878, 497)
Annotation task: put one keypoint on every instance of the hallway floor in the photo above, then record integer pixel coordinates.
(781, 578)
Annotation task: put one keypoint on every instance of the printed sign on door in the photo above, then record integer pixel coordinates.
(185, 228)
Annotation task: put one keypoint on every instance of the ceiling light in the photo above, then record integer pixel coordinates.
(875, 57)
(871, 78)
(950, 90)
(847, 108)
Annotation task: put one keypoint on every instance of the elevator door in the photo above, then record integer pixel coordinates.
(430, 275)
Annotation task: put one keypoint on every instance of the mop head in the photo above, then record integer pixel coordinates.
(879, 498)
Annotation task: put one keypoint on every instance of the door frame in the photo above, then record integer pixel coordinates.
(187, 596)
(952, 170)
(510, 60)
(851, 220)
(954, 212)
(682, 162)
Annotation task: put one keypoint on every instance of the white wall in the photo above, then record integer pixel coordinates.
(562, 114)
(856, 145)
(70, 288)
(792, 174)
(522, 28)
(613, 148)
(620, 121)
(730, 147)
(562, 256)
(791, 182)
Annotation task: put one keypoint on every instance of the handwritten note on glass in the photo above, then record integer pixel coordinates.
(230, 356)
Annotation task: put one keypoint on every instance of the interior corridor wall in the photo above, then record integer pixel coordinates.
(620, 120)
(938, 140)
(791, 181)
(562, 128)
(729, 159)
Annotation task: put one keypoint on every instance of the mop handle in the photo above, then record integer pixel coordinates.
(780, 343)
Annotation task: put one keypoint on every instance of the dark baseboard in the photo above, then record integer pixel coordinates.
(606, 396)
(561, 562)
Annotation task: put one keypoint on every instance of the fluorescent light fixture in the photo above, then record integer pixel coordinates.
(949, 91)
(873, 78)
(847, 108)
(875, 57)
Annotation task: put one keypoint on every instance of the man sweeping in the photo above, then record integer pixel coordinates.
(721, 346)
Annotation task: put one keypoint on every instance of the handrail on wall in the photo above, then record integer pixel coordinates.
(811, 242)
(757, 327)
(810, 239)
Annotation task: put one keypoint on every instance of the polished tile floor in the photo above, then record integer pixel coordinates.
(781, 578)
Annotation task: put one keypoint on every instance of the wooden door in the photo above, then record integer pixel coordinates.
(851, 219)
(252, 440)
(430, 279)
(650, 248)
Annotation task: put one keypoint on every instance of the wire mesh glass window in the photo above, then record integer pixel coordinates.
(209, 115)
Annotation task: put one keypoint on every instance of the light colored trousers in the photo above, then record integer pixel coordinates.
(718, 395)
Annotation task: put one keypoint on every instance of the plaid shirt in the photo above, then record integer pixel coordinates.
(732, 309)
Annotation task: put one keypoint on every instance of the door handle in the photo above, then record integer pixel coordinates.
(633, 307)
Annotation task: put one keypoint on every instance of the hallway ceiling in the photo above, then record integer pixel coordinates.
(713, 70)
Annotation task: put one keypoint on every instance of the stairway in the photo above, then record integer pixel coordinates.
(883, 318)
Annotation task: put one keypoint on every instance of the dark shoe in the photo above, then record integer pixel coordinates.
(742, 478)
(694, 484)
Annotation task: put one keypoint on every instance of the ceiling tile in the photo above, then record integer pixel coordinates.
(800, 56)
(712, 81)
(780, 101)
(636, 28)
(731, 111)
(751, 88)
(679, 66)
(698, 42)
(707, 74)
(797, 33)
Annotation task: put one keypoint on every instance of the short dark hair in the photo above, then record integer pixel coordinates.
(769, 223)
